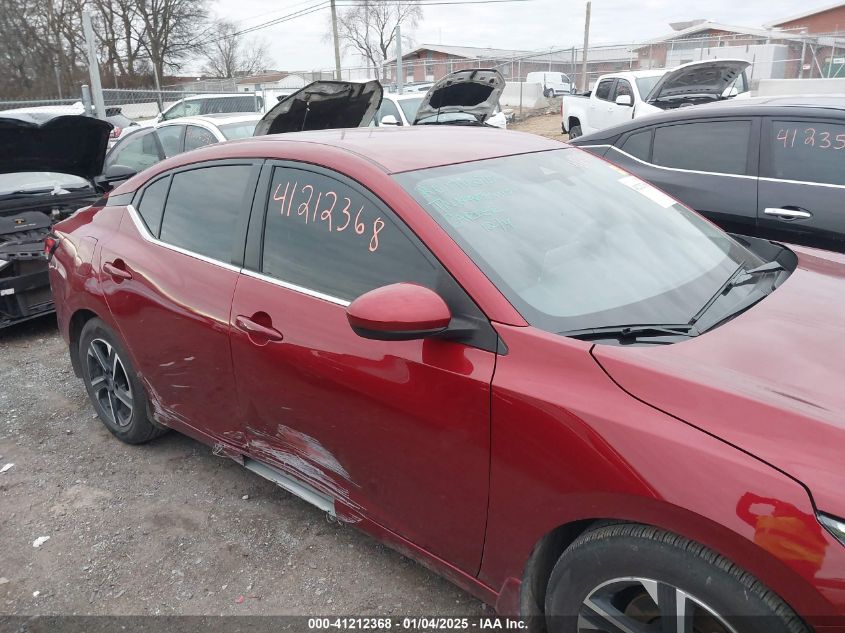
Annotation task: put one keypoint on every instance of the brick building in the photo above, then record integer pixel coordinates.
(824, 30)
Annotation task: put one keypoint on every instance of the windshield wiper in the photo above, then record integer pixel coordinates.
(634, 332)
(739, 277)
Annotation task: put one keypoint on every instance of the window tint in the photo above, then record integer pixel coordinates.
(623, 88)
(808, 151)
(638, 145)
(325, 236)
(603, 89)
(388, 108)
(175, 112)
(196, 137)
(203, 207)
(139, 151)
(152, 204)
(171, 138)
(717, 146)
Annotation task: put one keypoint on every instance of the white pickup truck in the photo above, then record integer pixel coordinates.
(620, 97)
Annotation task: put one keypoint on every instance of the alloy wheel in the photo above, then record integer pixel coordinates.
(641, 605)
(109, 382)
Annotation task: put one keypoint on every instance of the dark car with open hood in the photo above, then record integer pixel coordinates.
(48, 167)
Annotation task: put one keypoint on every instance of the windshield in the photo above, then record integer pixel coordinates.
(574, 242)
(234, 131)
(39, 180)
(645, 84)
(410, 107)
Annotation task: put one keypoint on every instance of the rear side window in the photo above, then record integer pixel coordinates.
(196, 137)
(808, 151)
(324, 235)
(152, 204)
(715, 146)
(603, 89)
(203, 207)
(638, 145)
(171, 138)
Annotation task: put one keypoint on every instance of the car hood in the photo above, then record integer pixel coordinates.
(770, 381)
(323, 105)
(67, 144)
(475, 92)
(697, 79)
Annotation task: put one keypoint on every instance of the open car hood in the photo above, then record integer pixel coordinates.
(474, 91)
(66, 144)
(697, 79)
(323, 105)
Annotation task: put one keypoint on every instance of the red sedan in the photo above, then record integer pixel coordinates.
(507, 358)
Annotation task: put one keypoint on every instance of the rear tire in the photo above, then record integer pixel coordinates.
(548, 93)
(113, 385)
(575, 132)
(637, 574)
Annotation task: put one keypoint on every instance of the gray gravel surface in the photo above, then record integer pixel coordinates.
(164, 528)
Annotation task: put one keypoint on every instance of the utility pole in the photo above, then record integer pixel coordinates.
(400, 80)
(584, 79)
(336, 43)
(93, 67)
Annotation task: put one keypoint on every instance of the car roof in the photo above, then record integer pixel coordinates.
(218, 95)
(215, 119)
(404, 96)
(787, 105)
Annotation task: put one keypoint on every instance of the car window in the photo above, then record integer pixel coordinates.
(603, 89)
(646, 84)
(174, 112)
(152, 204)
(171, 139)
(324, 235)
(714, 146)
(808, 151)
(225, 105)
(138, 151)
(196, 137)
(410, 107)
(388, 108)
(638, 145)
(234, 131)
(202, 209)
(623, 88)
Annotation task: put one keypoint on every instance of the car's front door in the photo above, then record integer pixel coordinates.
(802, 182)
(601, 106)
(168, 275)
(397, 432)
(621, 113)
(708, 165)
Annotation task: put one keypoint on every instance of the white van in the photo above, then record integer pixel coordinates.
(554, 84)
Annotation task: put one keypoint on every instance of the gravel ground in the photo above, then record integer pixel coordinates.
(167, 528)
(547, 125)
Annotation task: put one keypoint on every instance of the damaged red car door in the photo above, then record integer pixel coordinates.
(394, 431)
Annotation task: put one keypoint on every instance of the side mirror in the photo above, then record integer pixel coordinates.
(388, 119)
(398, 312)
(112, 175)
(160, 117)
(624, 100)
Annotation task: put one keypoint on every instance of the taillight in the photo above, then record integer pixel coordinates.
(51, 243)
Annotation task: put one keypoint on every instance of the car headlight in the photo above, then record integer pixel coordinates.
(833, 525)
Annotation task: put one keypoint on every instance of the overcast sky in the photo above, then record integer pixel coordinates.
(536, 24)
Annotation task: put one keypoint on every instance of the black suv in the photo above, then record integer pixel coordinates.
(771, 167)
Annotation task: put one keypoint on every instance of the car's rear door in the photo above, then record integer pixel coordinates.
(709, 165)
(397, 432)
(168, 275)
(802, 182)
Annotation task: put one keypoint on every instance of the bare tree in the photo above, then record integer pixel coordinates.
(227, 55)
(170, 31)
(370, 28)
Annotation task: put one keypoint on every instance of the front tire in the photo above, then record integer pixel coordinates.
(113, 385)
(575, 132)
(639, 576)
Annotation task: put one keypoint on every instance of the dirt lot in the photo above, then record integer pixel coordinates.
(166, 528)
(547, 125)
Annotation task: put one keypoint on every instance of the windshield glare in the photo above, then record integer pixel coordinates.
(645, 84)
(576, 243)
(234, 131)
(37, 180)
